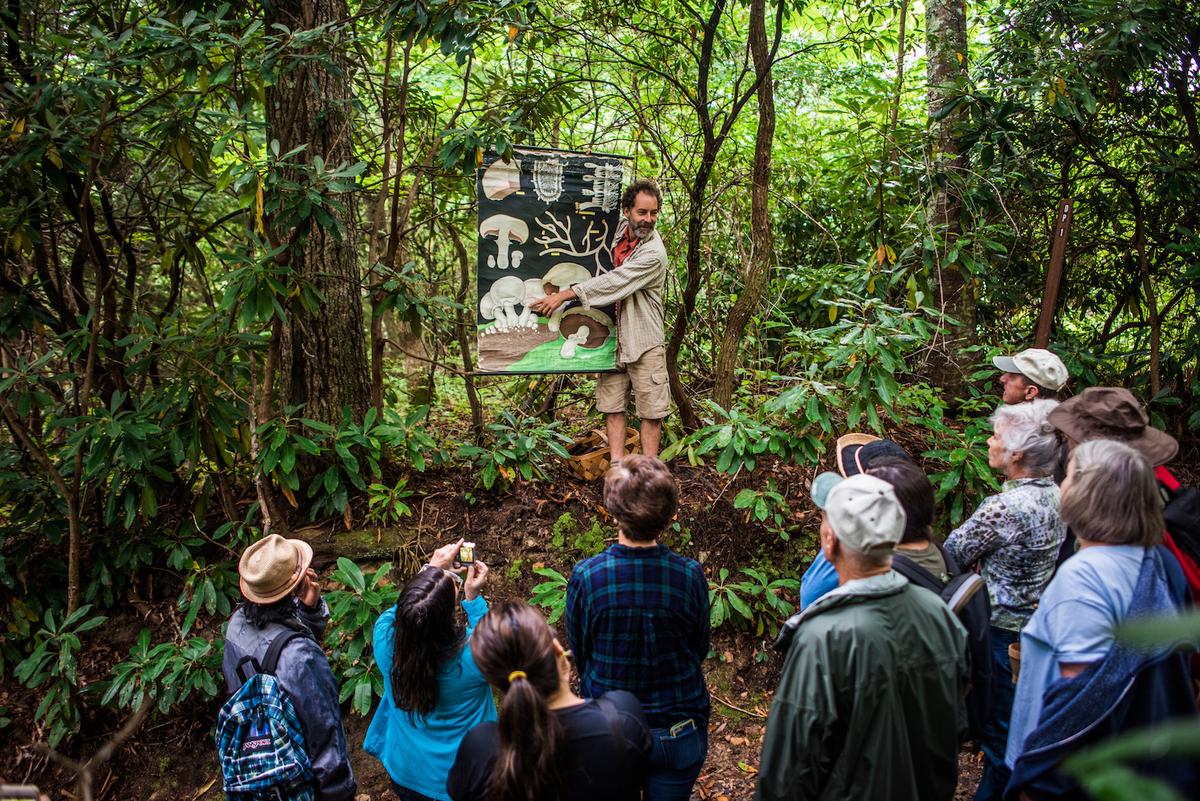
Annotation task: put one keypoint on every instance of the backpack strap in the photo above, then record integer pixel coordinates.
(271, 659)
(915, 573)
(964, 590)
(241, 668)
(612, 715)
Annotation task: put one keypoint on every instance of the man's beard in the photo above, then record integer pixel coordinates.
(642, 231)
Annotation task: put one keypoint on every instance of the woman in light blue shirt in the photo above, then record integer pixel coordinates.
(433, 691)
(1111, 502)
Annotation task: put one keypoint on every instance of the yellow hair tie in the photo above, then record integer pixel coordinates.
(516, 674)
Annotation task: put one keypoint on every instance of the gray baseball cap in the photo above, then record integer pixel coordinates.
(863, 511)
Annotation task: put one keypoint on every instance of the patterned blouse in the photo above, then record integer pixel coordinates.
(1014, 537)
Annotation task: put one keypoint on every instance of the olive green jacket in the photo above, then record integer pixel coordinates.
(870, 704)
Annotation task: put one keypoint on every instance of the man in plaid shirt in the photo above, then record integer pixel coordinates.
(638, 620)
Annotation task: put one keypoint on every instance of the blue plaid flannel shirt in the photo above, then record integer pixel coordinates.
(638, 620)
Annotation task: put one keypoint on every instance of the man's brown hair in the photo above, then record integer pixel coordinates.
(641, 495)
(629, 196)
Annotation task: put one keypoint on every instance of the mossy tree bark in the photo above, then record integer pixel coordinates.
(946, 71)
(757, 273)
(323, 360)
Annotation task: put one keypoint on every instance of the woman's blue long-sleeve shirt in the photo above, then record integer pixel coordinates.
(418, 752)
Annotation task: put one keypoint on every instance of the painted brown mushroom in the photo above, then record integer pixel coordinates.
(562, 275)
(583, 328)
(505, 230)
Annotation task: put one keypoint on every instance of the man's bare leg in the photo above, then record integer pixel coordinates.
(651, 435)
(614, 426)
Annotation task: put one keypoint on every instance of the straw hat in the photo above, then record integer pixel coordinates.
(272, 567)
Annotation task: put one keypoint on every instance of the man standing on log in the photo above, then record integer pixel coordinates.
(635, 285)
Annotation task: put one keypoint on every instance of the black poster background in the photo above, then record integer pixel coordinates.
(556, 212)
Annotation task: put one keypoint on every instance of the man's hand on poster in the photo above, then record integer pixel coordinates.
(548, 304)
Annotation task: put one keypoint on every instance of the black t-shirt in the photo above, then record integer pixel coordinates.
(595, 766)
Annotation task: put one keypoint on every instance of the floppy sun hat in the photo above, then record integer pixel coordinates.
(272, 567)
(1039, 365)
(1113, 413)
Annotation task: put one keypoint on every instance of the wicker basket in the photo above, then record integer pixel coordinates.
(590, 454)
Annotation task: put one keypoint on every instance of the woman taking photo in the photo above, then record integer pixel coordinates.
(433, 692)
(1078, 683)
(549, 744)
(1013, 540)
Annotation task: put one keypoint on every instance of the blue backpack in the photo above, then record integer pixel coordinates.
(259, 740)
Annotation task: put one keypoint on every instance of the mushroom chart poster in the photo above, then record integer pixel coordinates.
(546, 222)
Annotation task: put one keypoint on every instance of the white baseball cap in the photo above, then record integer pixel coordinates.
(1038, 365)
(863, 511)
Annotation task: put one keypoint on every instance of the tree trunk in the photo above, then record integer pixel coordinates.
(323, 360)
(762, 259)
(946, 45)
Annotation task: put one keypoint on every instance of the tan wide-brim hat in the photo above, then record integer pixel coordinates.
(272, 567)
(1113, 413)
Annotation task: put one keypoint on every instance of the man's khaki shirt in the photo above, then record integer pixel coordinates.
(638, 285)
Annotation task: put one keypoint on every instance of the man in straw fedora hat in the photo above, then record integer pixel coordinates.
(282, 595)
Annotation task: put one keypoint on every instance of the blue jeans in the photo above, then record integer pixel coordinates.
(675, 762)
(995, 734)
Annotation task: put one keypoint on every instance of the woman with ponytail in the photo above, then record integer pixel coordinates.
(433, 693)
(549, 744)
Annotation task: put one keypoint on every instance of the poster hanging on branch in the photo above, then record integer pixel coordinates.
(546, 222)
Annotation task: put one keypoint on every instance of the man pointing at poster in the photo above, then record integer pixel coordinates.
(635, 285)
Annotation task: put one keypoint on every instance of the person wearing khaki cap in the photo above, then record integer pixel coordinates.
(876, 670)
(1032, 373)
(282, 597)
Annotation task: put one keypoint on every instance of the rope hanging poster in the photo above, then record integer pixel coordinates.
(546, 222)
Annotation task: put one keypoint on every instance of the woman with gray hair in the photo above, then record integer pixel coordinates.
(1077, 684)
(1013, 538)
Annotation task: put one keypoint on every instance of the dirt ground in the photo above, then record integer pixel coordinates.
(173, 758)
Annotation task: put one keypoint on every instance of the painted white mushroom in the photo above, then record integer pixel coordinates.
(567, 351)
(533, 291)
(562, 275)
(584, 328)
(487, 310)
(506, 230)
(501, 179)
(507, 293)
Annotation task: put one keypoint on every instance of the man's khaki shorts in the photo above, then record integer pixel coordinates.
(648, 377)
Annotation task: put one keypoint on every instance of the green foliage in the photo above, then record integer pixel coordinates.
(53, 666)
(551, 594)
(865, 349)
(755, 602)
(964, 477)
(568, 535)
(168, 672)
(565, 526)
(740, 440)
(388, 505)
(350, 453)
(766, 506)
(517, 448)
(514, 570)
(353, 612)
